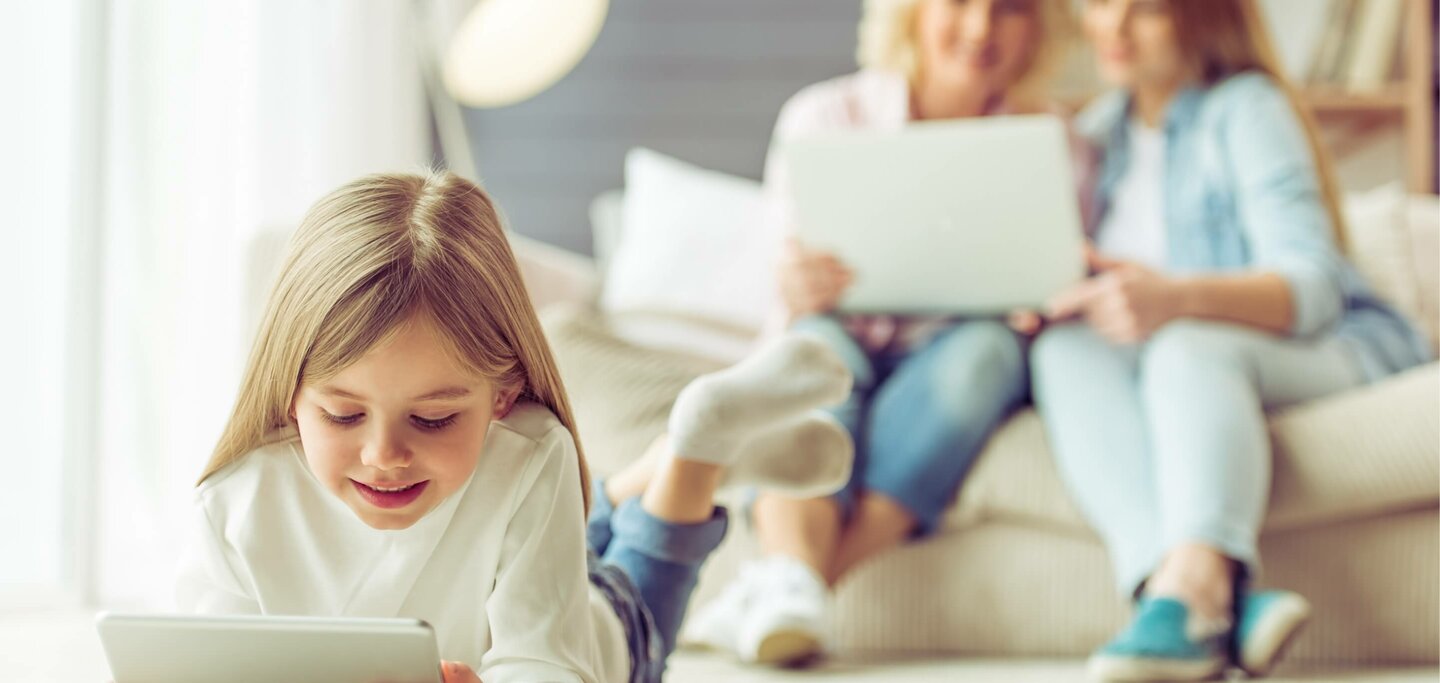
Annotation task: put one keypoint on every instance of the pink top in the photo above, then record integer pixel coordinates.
(875, 100)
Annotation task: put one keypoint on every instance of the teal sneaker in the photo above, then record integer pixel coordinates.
(1266, 623)
(1156, 647)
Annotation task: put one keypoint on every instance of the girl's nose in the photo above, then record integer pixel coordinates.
(385, 452)
(976, 22)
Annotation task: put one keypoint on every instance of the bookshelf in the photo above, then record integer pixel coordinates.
(1420, 86)
(1408, 100)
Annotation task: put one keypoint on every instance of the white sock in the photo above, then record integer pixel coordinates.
(807, 457)
(784, 379)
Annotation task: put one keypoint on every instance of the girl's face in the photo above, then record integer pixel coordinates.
(401, 429)
(1136, 42)
(968, 44)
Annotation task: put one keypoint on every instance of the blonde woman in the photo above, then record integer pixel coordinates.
(1219, 293)
(928, 391)
(402, 447)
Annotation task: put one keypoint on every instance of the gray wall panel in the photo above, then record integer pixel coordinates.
(701, 80)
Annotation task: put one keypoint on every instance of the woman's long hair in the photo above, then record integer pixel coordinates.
(1223, 38)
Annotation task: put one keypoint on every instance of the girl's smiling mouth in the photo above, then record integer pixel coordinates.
(390, 496)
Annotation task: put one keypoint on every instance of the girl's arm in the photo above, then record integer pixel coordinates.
(1126, 302)
(1259, 300)
(1293, 284)
(541, 627)
(206, 582)
(1280, 205)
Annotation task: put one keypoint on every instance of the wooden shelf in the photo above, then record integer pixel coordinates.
(1337, 100)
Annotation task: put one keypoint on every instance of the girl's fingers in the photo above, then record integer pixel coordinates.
(1073, 300)
(455, 672)
(1097, 262)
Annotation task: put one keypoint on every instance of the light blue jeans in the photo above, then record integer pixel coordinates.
(1166, 442)
(646, 568)
(919, 418)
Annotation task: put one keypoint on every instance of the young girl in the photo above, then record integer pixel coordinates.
(402, 447)
(928, 390)
(1219, 293)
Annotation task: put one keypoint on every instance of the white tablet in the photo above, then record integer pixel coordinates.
(969, 216)
(185, 649)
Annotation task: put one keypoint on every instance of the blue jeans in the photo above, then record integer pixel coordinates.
(647, 568)
(1166, 442)
(920, 417)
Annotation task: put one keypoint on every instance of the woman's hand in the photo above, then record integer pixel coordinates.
(1026, 322)
(811, 281)
(1124, 302)
(455, 672)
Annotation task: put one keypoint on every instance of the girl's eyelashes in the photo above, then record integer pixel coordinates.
(427, 424)
(341, 419)
(434, 425)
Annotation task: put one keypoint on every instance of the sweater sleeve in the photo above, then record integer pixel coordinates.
(540, 620)
(206, 581)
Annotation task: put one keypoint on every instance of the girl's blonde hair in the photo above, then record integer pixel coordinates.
(888, 41)
(366, 258)
(1223, 38)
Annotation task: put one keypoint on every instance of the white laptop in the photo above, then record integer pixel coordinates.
(247, 649)
(974, 216)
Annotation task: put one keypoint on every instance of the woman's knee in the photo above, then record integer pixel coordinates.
(977, 359)
(832, 332)
(1196, 345)
(1065, 348)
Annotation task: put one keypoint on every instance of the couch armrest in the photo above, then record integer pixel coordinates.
(554, 275)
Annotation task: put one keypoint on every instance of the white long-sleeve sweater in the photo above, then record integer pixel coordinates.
(498, 568)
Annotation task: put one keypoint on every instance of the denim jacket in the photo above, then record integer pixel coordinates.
(1242, 194)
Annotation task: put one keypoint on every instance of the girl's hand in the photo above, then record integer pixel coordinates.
(455, 672)
(1124, 302)
(811, 281)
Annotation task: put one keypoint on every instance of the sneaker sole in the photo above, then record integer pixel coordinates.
(1153, 670)
(787, 647)
(1274, 635)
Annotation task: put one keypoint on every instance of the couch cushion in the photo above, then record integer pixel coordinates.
(621, 393)
(1365, 452)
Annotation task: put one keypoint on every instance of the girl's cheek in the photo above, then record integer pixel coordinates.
(326, 451)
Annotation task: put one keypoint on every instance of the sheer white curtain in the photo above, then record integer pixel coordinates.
(40, 65)
(222, 122)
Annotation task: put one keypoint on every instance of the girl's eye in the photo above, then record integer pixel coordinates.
(434, 425)
(342, 419)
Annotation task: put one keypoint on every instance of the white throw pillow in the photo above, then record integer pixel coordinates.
(1378, 243)
(693, 244)
(1423, 215)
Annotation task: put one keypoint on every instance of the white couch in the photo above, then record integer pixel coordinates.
(1354, 521)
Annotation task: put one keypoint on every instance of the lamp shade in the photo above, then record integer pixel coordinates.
(507, 51)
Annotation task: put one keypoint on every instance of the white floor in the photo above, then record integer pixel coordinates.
(62, 648)
(707, 668)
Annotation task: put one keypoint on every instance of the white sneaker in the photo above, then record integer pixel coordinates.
(788, 616)
(716, 625)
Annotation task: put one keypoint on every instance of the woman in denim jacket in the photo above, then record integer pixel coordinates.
(1219, 291)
